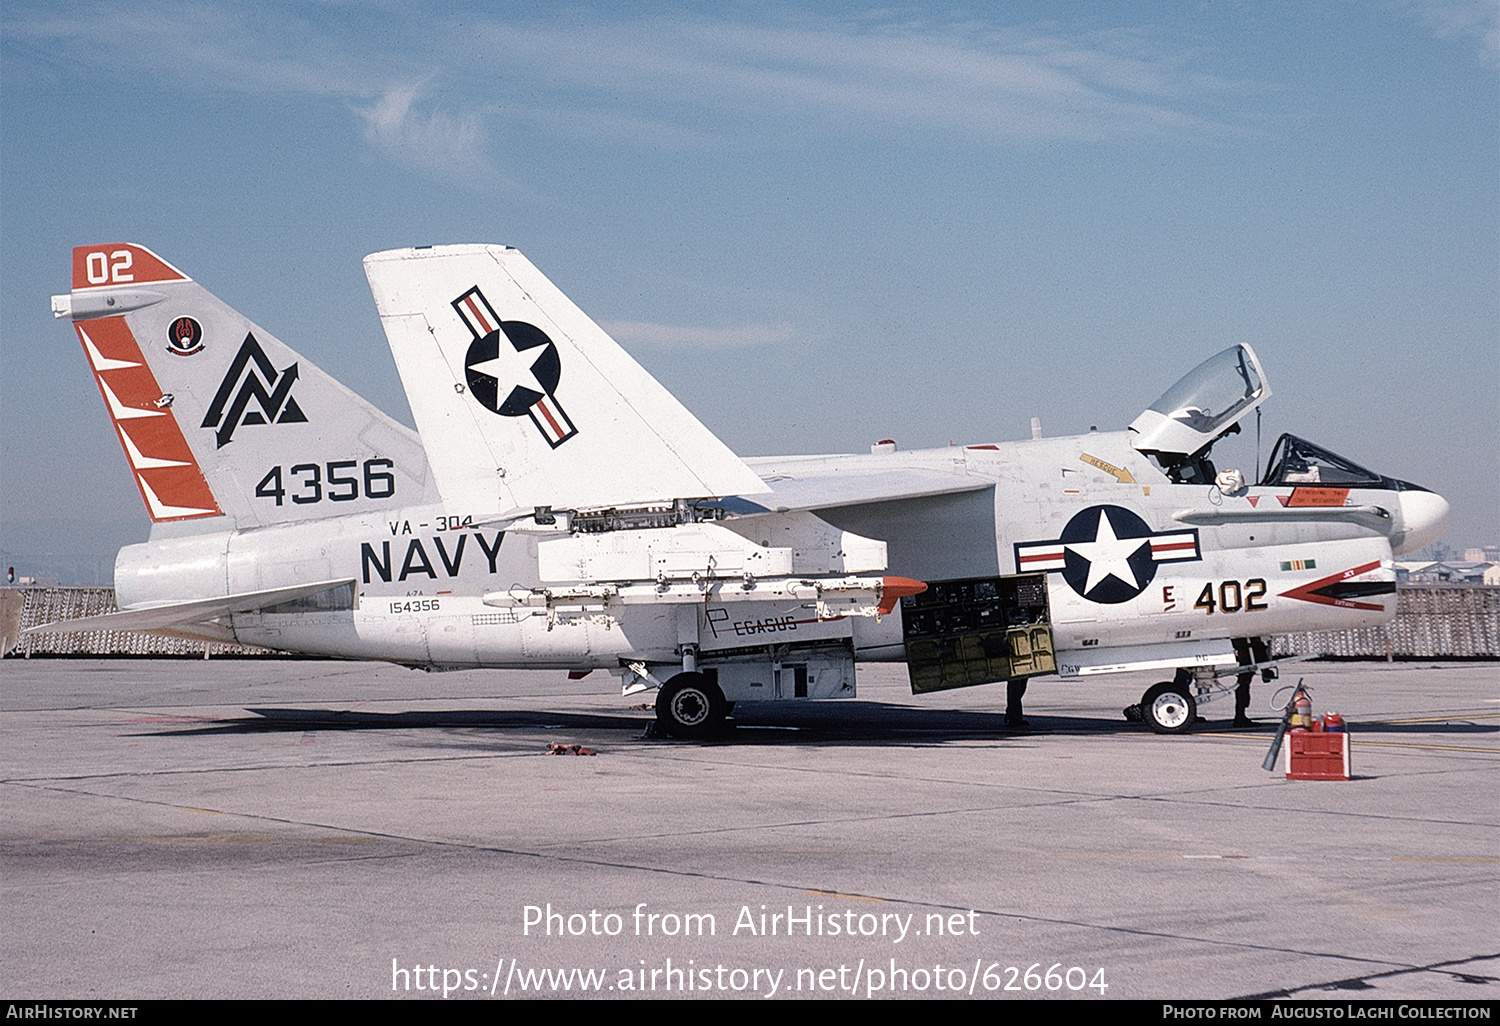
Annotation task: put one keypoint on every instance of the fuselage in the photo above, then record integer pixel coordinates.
(1261, 560)
(1251, 562)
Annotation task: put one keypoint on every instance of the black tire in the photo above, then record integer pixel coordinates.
(690, 706)
(1169, 708)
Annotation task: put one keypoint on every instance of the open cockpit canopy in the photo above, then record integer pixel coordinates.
(1205, 403)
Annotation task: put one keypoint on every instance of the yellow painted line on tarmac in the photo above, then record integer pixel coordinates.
(1236, 858)
(1360, 742)
(1448, 719)
(795, 851)
(1416, 858)
(184, 838)
(206, 812)
(1433, 748)
(840, 894)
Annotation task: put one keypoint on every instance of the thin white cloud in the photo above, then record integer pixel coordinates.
(267, 51)
(203, 46)
(837, 78)
(434, 142)
(672, 336)
(1477, 21)
(668, 82)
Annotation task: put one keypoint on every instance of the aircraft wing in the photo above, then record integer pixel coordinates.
(176, 614)
(793, 489)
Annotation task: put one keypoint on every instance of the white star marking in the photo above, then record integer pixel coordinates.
(1108, 555)
(511, 368)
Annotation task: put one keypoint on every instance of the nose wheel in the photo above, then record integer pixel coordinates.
(1169, 708)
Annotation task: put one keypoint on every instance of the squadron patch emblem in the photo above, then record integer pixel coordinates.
(512, 368)
(184, 337)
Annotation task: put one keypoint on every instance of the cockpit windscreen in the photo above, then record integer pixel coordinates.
(1296, 461)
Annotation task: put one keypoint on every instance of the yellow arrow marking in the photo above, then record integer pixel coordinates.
(1120, 474)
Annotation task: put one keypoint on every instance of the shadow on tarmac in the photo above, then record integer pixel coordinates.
(752, 723)
(270, 721)
(772, 723)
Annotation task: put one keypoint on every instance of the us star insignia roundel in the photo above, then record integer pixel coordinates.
(512, 368)
(1107, 554)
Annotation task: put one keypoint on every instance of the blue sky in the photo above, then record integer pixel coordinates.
(818, 225)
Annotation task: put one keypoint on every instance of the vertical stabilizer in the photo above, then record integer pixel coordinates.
(524, 401)
(215, 415)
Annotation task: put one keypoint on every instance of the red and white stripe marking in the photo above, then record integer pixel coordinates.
(1039, 558)
(1173, 548)
(551, 421)
(477, 312)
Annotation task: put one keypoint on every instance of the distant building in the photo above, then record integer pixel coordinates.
(1483, 554)
(1447, 572)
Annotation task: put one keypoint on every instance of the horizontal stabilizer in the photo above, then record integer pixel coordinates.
(178, 613)
(523, 401)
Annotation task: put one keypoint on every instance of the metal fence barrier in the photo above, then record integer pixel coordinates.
(1433, 621)
(21, 608)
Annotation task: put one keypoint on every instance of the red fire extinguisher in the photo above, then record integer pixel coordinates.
(1296, 714)
(1302, 711)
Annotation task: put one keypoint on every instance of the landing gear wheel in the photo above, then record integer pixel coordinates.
(690, 705)
(1169, 708)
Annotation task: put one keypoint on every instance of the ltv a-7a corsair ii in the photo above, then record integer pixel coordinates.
(557, 507)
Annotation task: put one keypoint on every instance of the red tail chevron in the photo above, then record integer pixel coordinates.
(170, 481)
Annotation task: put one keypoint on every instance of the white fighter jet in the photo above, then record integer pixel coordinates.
(558, 508)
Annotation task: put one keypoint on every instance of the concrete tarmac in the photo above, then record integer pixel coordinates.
(256, 828)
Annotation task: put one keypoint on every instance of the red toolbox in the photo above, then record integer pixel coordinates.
(1317, 754)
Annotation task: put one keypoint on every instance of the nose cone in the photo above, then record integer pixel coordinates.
(1424, 517)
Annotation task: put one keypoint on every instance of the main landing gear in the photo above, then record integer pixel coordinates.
(690, 706)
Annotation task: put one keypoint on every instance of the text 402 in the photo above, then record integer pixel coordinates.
(1232, 597)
